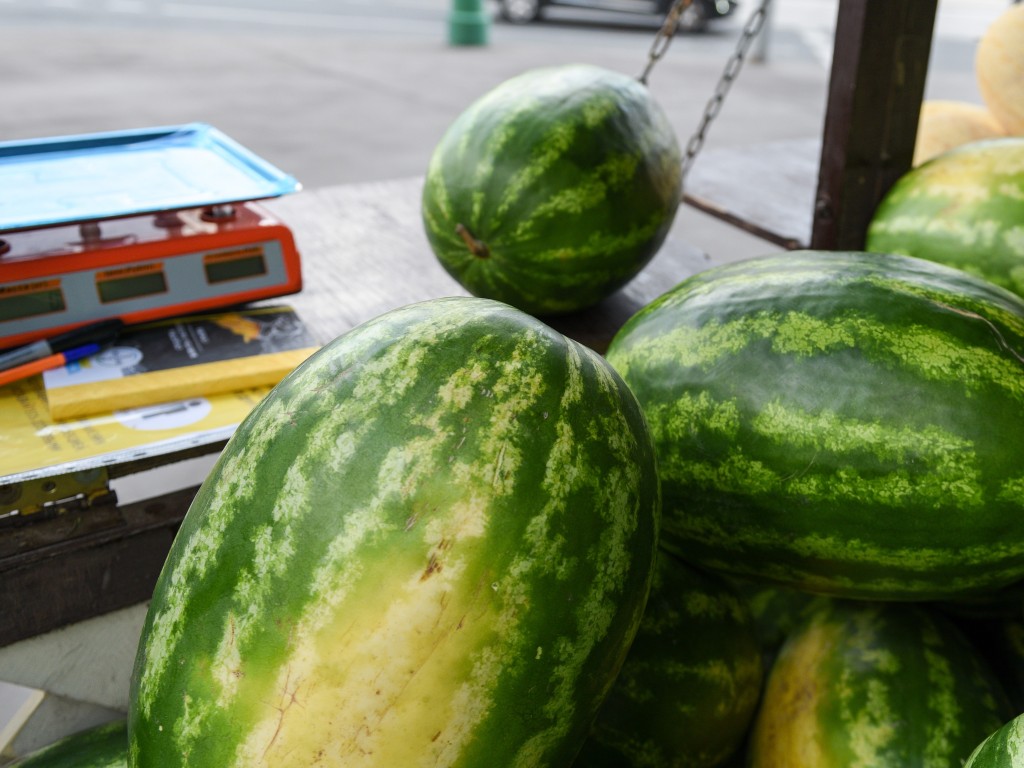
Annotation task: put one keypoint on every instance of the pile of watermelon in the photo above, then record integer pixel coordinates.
(841, 435)
(779, 524)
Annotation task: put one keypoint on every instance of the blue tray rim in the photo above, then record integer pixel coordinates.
(270, 180)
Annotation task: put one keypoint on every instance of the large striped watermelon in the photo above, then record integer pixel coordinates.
(688, 690)
(1002, 749)
(430, 545)
(845, 423)
(554, 189)
(879, 685)
(104, 746)
(964, 208)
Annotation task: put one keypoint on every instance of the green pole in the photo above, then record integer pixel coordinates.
(467, 23)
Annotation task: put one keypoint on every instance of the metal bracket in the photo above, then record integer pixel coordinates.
(47, 497)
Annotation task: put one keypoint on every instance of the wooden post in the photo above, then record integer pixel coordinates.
(875, 93)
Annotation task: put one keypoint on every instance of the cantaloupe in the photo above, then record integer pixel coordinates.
(999, 67)
(947, 124)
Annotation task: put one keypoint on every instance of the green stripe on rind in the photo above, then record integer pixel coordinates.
(964, 208)
(453, 469)
(850, 423)
(104, 746)
(862, 685)
(569, 175)
(690, 684)
(1002, 749)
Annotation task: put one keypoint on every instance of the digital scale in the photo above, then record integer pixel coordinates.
(139, 225)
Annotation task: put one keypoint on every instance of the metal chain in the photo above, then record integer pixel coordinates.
(729, 73)
(663, 39)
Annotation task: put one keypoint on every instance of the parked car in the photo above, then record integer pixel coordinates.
(695, 17)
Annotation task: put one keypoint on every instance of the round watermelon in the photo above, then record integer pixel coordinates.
(554, 189)
(964, 208)
(430, 544)
(843, 423)
(879, 685)
(691, 682)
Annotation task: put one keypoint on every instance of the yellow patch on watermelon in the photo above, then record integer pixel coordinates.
(364, 688)
(786, 731)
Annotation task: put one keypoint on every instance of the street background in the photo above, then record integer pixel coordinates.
(339, 91)
(349, 91)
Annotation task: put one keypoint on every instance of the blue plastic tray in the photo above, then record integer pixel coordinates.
(123, 173)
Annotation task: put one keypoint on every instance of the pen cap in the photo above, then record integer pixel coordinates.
(78, 353)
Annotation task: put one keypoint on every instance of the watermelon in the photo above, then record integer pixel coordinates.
(1002, 749)
(843, 423)
(964, 208)
(875, 684)
(430, 544)
(690, 684)
(553, 189)
(104, 746)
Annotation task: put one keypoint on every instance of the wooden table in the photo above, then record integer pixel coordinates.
(765, 189)
(364, 253)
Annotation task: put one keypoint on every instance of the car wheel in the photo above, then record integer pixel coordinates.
(520, 11)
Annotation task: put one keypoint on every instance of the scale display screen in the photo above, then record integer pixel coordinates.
(31, 300)
(123, 284)
(234, 265)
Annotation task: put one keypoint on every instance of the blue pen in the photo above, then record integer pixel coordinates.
(47, 363)
(101, 332)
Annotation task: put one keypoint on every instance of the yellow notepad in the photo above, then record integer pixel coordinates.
(196, 356)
